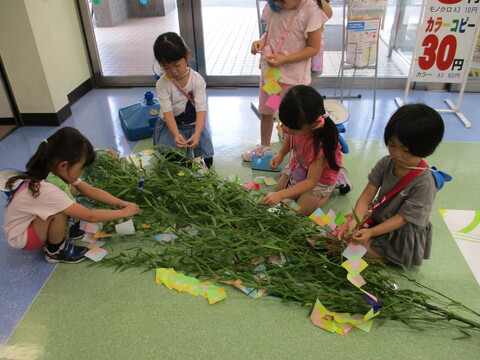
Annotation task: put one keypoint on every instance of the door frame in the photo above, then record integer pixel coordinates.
(191, 29)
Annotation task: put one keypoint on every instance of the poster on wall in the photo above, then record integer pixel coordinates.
(362, 37)
(366, 9)
(446, 34)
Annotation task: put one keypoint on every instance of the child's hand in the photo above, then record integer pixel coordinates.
(131, 209)
(179, 140)
(276, 161)
(193, 141)
(257, 46)
(361, 236)
(276, 60)
(271, 199)
(351, 227)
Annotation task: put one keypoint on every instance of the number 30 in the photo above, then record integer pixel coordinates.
(443, 57)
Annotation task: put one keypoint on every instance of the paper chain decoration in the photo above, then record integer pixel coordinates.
(342, 323)
(271, 87)
(182, 283)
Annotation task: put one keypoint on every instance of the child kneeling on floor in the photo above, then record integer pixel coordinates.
(398, 229)
(42, 198)
(313, 140)
(182, 96)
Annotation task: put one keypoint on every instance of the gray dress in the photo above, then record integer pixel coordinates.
(411, 243)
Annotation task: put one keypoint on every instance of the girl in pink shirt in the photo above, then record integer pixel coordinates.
(300, 24)
(313, 140)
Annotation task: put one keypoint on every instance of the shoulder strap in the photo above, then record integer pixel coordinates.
(404, 181)
(287, 29)
(189, 98)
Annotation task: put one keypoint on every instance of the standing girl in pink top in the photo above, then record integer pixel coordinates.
(300, 23)
(313, 140)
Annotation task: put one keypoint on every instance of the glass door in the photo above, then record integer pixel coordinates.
(225, 30)
(120, 35)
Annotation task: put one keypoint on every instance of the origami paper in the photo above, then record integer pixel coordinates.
(272, 87)
(125, 228)
(142, 158)
(340, 219)
(96, 254)
(319, 217)
(376, 304)
(358, 280)
(332, 216)
(252, 185)
(100, 234)
(96, 244)
(291, 204)
(255, 293)
(90, 228)
(274, 101)
(278, 260)
(165, 237)
(182, 283)
(88, 238)
(354, 252)
(270, 181)
(354, 267)
(272, 73)
(340, 323)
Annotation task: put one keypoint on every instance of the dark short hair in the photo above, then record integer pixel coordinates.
(418, 127)
(169, 47)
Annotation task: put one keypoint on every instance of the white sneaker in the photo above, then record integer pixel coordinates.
(344, 184)
(247, 155)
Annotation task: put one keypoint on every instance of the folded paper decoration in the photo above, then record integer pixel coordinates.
(182, 283)
(342, 323)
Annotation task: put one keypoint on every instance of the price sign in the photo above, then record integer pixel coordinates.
(446, 34)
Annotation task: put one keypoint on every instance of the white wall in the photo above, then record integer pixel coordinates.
(43, 52)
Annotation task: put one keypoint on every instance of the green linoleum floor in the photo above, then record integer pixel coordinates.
(89, 312)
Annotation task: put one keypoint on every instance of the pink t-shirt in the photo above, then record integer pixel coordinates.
(24, 208)
(309, 18)
(303, 153)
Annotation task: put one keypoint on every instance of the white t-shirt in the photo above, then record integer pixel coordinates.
(171, 99)
(24, 208)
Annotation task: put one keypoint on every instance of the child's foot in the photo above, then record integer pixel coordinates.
(247, 155)
(67, 253)
(344, 185)
(74, 232)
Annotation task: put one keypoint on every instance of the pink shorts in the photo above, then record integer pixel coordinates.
(263, 96)
(33, 241)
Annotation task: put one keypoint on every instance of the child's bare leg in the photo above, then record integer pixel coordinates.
(52, 230)
(281, 183)
(266, 129)
(309, 203)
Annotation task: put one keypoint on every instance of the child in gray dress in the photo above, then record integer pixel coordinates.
(401, 232)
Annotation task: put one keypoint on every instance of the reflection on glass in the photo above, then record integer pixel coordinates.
(125, 31)
(230, 27)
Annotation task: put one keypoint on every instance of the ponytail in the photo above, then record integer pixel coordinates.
(328, 137)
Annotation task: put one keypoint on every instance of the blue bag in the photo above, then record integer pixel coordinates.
(262, 162)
